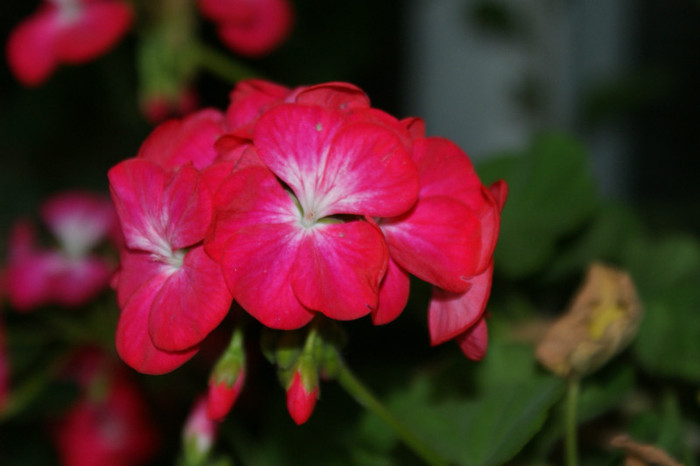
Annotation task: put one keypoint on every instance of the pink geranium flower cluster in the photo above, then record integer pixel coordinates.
(69, 272)
(294, 203)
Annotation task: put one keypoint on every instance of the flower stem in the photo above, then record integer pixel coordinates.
(222, 65)
(570, 421)
(365, 398)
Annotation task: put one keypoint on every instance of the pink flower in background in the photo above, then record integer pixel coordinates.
(250, 27)
(199, 432)
(293, 238)
(157, 108)
(70, 274)
(65, 32)
(109, 424)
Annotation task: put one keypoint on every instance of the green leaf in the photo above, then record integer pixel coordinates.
(667, 274)
(612, 226)
(668, 342)
(551, 194)
(490, 426)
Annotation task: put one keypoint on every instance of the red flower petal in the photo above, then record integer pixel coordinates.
(474, 341)
(30, 53)
(249, 99)
(191, 139)
(393, 295)
(451, 313)
(133, 341)
(188, 208)
(438, 241)
(98, 27)
(335, 168)
(339, 268)
(255, 237)
(333, 95)
(191, 303)
(137, 269)
(159, 213)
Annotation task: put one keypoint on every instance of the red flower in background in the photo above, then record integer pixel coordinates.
(69, 275)
(109, 424)
(65, 32)
(250, 27)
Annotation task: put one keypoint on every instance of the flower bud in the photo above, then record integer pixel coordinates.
(301, 398)
(601, 321)
(222, 395)
(227, 379)
(199, 433)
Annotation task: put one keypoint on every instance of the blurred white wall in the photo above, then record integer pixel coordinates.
(464, 81)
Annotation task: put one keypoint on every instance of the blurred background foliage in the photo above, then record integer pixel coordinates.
(69, 131)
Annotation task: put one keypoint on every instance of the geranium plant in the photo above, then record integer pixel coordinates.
(278, 271)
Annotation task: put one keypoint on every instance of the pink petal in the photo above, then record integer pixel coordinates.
(77, 282)
(191, 303)
(257, 265)
(177, 142)
(255, 237)
(393, 295)
(136, 269)
(438, 241)
(159, 213)
(29, 280)
(133, 341)
(100, 25)
(79, 220)
(333, 95)
(188, 207)
(499, 190)
(335, 168)
(415, 127)
(246, 197)
(249, 99)
(268, 27)
(474, 341)
(339, 269)
(445, 170)
(30, 47)
(451, 313)
(137, 187)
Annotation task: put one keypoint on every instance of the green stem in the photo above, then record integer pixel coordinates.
(570, 421)
(365, 398)
(221, 64)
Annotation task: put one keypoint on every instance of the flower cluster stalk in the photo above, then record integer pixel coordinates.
(364, 397)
